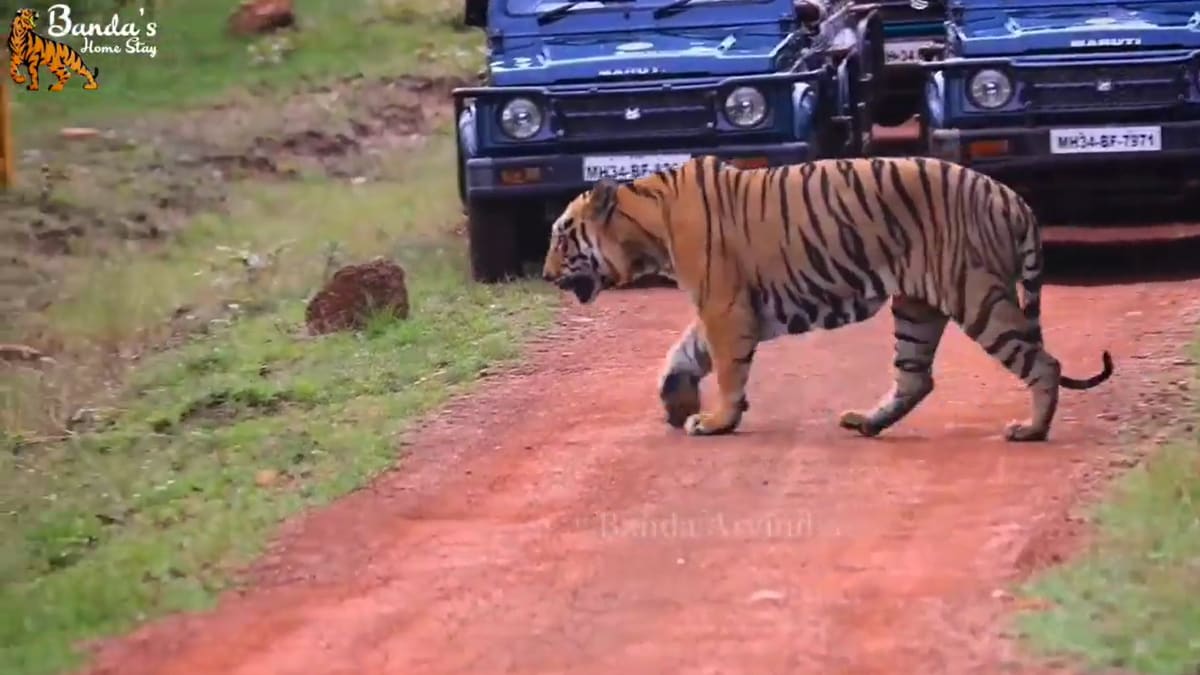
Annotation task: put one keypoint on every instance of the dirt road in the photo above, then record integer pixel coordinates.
(554, 524)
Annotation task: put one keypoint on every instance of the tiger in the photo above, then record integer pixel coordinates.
(820, 245)
(31, 50)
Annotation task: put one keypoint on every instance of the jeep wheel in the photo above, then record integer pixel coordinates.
(492, 239)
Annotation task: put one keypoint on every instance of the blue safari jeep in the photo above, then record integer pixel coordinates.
(1063, 99)
(578, 90)
(913, 34)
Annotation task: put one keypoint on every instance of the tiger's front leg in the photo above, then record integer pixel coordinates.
(687, 364)
(14, 69)
(33, 77)
(731, 336)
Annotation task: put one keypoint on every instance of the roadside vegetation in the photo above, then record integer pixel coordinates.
(164, 265)
(1130, 601)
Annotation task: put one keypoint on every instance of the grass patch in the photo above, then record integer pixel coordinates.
(1131, 601)
(278, 242)
(189, 412)
(211, 443)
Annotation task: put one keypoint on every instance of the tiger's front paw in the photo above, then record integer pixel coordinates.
(708, 424)
(856, 421)
(32, 87)
(1020, 432)
(19, 79)
(680, 395)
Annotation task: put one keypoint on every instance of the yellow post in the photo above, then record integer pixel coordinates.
(6, 145)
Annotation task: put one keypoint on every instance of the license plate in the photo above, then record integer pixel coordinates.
(1106, 139)
(904, 51)
(628, 167)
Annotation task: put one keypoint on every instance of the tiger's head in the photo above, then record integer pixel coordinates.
(25, 19)
(601, 240)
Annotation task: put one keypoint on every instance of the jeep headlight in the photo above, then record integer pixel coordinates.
(745, 107)
(520, 118)
(990, 88)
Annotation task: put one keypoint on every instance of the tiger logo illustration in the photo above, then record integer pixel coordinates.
(31, 50)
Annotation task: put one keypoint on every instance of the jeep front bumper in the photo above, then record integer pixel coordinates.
(561, 173)
(1018, 153)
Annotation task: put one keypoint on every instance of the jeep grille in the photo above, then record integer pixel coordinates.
(626, 114)
(1133, 86)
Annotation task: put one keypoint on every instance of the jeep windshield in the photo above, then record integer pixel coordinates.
(1062, 4)
(528, 7)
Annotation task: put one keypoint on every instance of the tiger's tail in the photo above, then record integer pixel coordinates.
(1032, 272)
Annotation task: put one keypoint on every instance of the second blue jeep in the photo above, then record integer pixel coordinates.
(582, 90)
(1072, 102)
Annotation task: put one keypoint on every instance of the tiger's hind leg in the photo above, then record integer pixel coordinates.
(60, 71)
(918, 332)
(1000, 327)
(89, 75)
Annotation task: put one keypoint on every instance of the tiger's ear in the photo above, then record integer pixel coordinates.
(602, 200)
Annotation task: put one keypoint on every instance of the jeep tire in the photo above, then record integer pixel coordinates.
(492, 227)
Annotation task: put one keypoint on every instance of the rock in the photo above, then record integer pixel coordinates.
(265, 478)
(767, 595)
(253, 17)
(354, 293)
(78, 132)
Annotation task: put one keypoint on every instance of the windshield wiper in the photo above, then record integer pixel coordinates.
(552, 15)
(671, 8)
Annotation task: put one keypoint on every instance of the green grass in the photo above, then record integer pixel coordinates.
(189, 412)
(299, 225)
(197, 62)
(153, 512)
(149, 510)
(1133, 600)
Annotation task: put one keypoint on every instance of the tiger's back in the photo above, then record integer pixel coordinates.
(860, 231)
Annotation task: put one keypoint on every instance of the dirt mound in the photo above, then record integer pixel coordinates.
(168, 167)
(354, 294)
(346, 129)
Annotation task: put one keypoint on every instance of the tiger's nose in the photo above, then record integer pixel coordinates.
(546, 276)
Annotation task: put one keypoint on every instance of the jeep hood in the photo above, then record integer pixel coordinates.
(550, 60)
(1004, 29)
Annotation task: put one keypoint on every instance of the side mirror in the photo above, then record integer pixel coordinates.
(475, 13)
(809, 12)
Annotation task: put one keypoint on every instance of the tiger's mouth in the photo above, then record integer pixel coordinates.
(585, 286)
